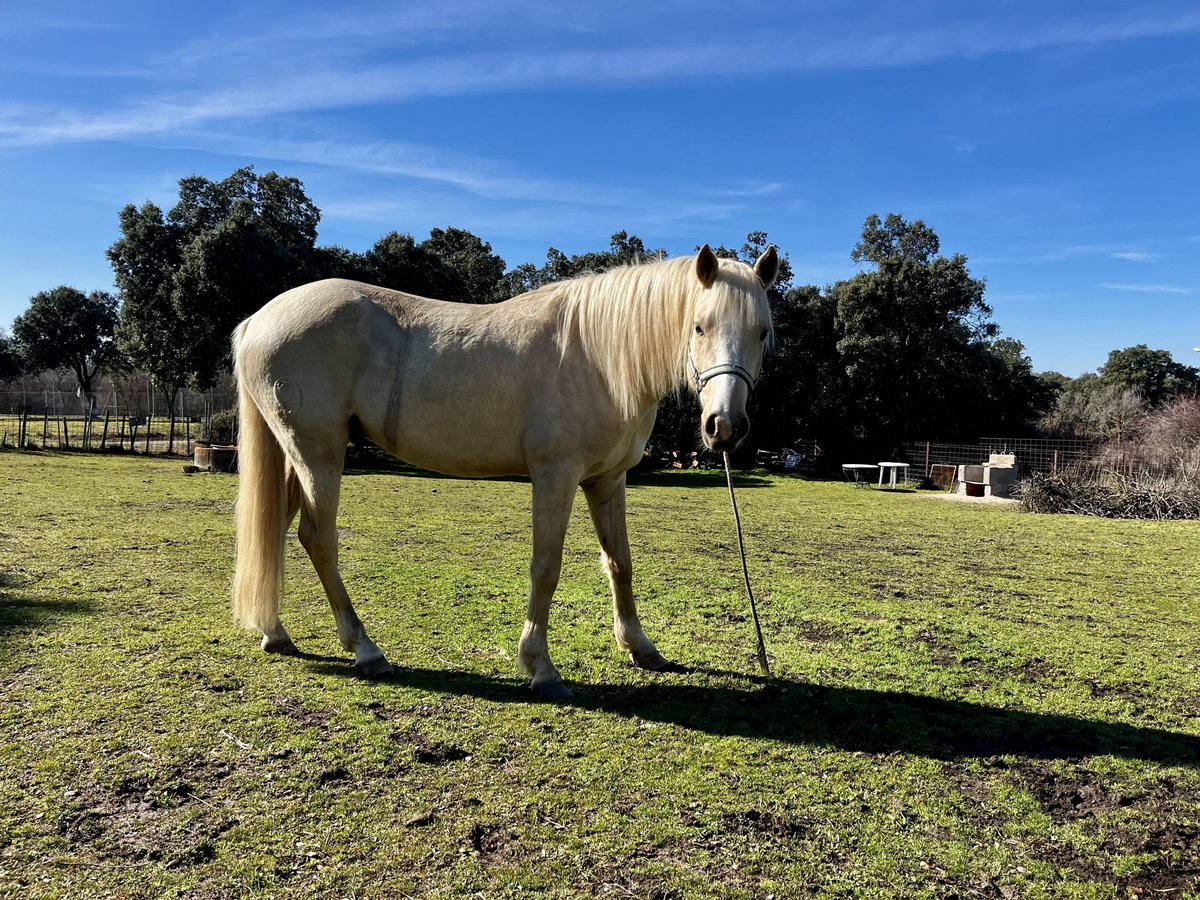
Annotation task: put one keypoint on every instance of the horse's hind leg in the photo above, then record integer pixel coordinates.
(321, 485)
(606, 503)
(275, 638)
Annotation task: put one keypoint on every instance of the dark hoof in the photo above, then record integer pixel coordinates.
(378, 667)
(554, 691)
(655, 662)
(283, 648)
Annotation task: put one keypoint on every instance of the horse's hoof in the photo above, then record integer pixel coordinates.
(554, 691)
(282, 646)
(378, 667)
(654, 662)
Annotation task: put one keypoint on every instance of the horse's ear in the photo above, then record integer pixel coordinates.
(767, 266)
(707, 266)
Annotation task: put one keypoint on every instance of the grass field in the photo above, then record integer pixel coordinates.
(969, 701)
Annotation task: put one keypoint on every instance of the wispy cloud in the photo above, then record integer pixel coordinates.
(1136, 255)
(1148, 288)
(266, 76)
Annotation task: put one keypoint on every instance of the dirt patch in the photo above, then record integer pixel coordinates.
(1150, 827)
(137, 818)
(820, 632)
(217, 684)
(765, 822)
(963, 498)
(493, 844)
(428, 751)
(615, 882)
(295, 710)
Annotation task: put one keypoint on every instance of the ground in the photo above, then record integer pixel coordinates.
(968, 700)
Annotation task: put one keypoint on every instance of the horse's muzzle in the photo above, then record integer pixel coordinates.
(723, 432)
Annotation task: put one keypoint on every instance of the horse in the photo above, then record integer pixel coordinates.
(560, 384)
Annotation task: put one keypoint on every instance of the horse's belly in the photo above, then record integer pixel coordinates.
(458, 442)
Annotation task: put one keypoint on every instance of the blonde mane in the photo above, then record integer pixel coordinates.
(634, 323)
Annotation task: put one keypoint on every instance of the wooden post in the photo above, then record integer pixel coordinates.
(45, 426)
(187, 427)
(927, 459)
(66, 441)
(148, 421)
(1054, 464)
(171, 437)
(104, 433)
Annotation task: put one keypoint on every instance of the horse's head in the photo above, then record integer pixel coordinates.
(730, 331)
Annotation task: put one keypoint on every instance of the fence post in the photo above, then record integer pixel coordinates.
(45, 426)
(66, 432)
(149, 419)
(1054, 465)
(104, 433)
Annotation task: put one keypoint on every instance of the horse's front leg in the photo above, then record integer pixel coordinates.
(606, 502)
(553, 494)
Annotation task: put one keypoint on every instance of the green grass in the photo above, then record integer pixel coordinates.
(968, 701)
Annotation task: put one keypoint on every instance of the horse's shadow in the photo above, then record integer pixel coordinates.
(854, 719)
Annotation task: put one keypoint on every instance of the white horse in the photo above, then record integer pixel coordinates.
(560, 384)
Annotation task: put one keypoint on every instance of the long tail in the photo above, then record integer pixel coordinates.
(262, 515)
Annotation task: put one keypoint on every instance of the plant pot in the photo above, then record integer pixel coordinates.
(216, 457)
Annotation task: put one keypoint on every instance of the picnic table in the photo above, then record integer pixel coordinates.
(855, 471)
(892, 468)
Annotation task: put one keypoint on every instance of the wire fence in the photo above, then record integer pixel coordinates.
(1048, 456)
(103, 433)
(56, 394)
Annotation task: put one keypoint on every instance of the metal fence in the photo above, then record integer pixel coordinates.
(1048, 455)
(55, 394)
(105, 433)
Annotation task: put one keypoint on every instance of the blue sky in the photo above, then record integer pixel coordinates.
(1055, 144)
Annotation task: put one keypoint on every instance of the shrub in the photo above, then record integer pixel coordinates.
(1112, 495)
(222, 427)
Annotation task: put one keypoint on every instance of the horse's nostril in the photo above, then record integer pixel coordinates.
(710, 425)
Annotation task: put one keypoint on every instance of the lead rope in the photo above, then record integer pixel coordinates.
(762, 647)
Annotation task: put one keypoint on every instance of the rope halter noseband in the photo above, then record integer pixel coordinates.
(703, 378)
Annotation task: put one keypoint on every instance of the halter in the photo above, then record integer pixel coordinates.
(703, 378)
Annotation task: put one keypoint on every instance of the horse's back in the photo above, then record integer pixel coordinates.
(462, 388)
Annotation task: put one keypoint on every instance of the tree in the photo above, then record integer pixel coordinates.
(1014, 398)
(1152, 373)
(624, 249)
(10, 366)
(66, 328)
(479, 272)
(154, 333)
(397, 261)
(908, 333)
(186, 279)
(1092, 408)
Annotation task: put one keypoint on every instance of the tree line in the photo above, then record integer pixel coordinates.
(905, 348)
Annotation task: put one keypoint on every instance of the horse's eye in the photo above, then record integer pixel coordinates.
(699, 330)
